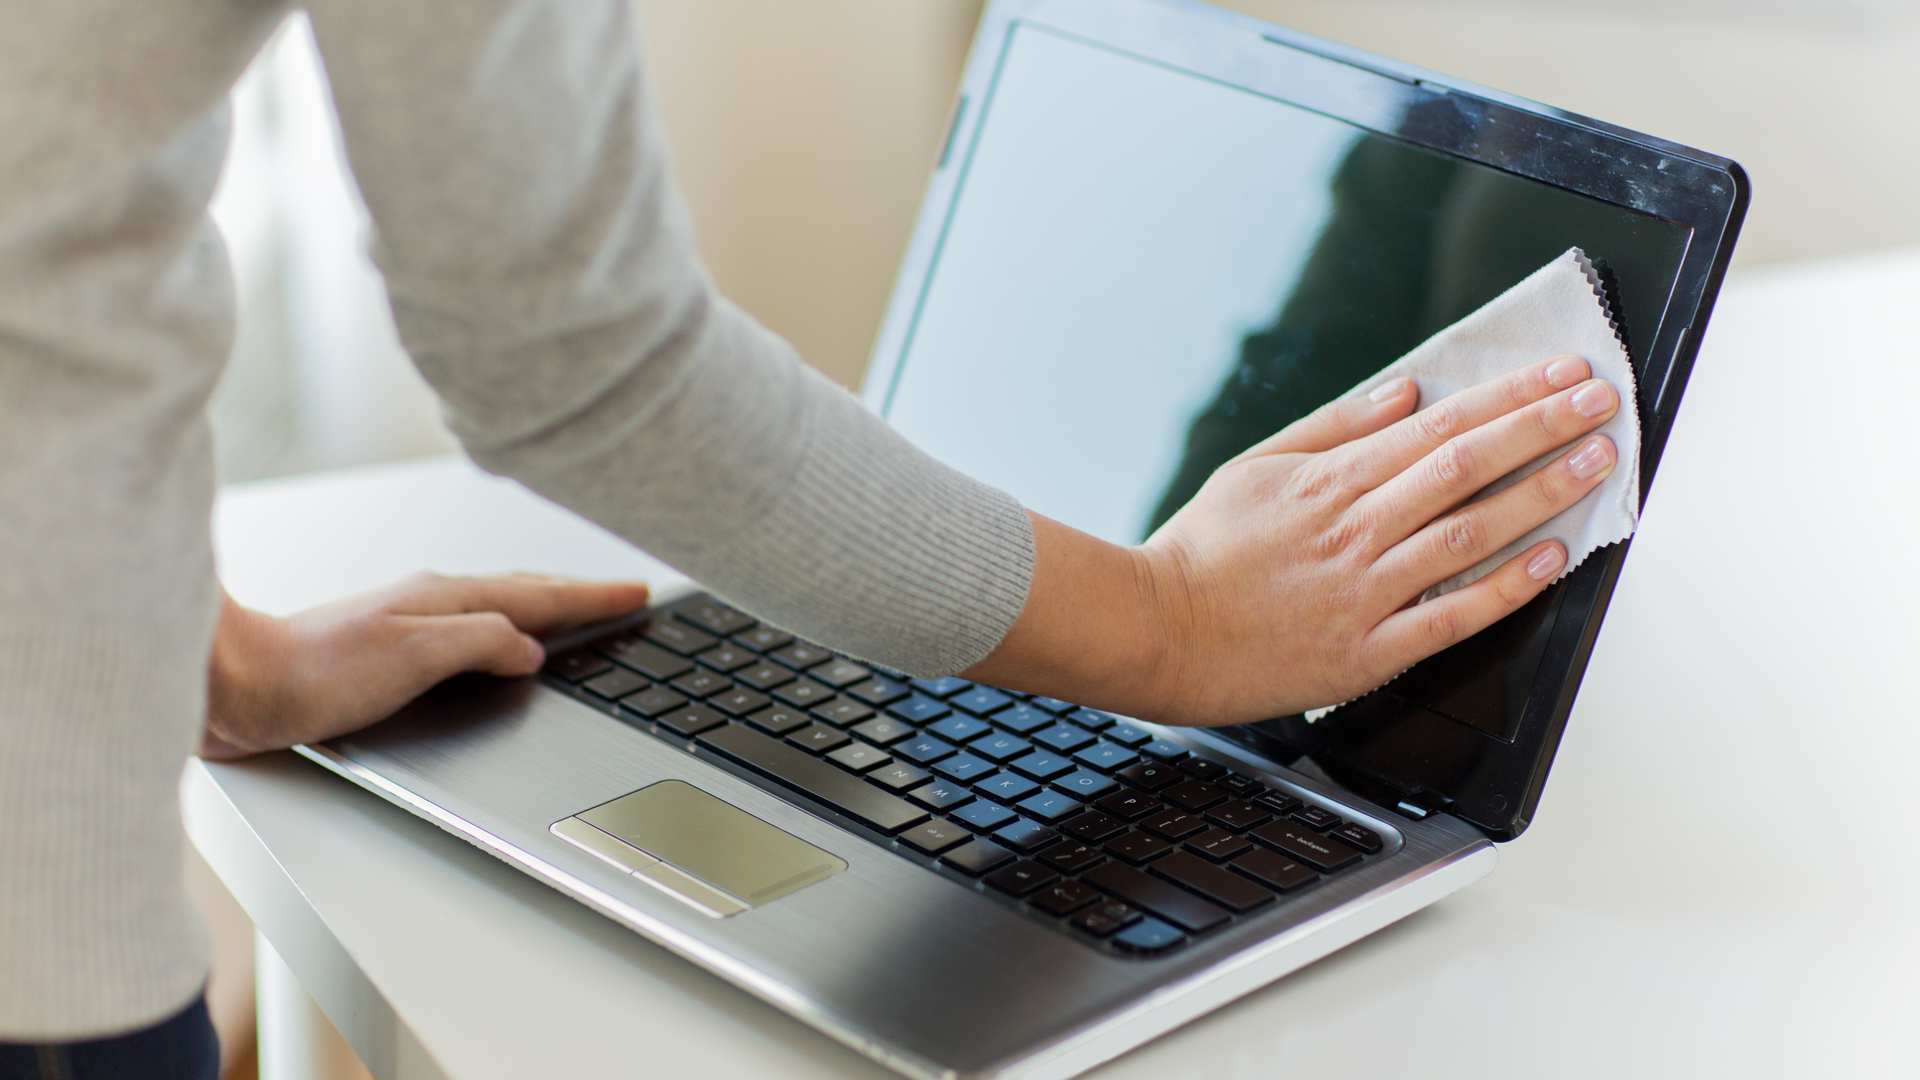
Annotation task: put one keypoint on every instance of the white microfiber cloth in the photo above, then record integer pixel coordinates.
(1559, 310)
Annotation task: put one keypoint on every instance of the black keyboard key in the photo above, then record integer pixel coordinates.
(577, 665)
(1063, 898)
(679, 637)
(1218, 845)
(1148, 936)
(1229, 890)
(1151, 775)
(1049, 806)
(923, 749)
(801, 655)
(712, 616)
(653, 702)
(935, 836)
(740, 701)
(941, 794)
(1359, 836)
(700, 682)
(965, 767)
(1055, 705)
(841, 673)
(983, 815)
(842, 713)
(1162, 750)
(1194, 795)
(1106, 917)
(898, 776)
(1316, 817)
(859, 757)
(1129, 805)
(614, 684)
(1084, 784)
(764, 676)
(1063, 738)
(1239, 815)
(779, 720)
(1071, 856)
(1174, 824)
(652, 661)
(1299, 842)
(918, 709)
(1240, 785)
(1024, 835)
(1093, 719)
(819, 738)
(1042, 765)
(1137, 847)
(1000, 747)
(959, 728)
(1021, 878)
(1273, 870)
(943, 687)
(880, 691)
(763, 638)
(1022, 719)
(691, 720)
(1127, 735)
(1007, 787)
(883, 730)
(976, 857)
(1105, 756)
(1202, 769)
(1279, 802)
(814, 778)
(1169, 901)
(1093, 826)
(805, 693)
(728, 657)
(980, 701)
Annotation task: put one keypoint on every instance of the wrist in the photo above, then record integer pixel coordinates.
(243, 678)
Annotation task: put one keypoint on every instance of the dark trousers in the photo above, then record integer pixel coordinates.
(182, 1047)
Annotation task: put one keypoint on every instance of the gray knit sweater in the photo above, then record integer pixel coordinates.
(542, 272)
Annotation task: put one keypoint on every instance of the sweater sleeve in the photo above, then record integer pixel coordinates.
(542, 272)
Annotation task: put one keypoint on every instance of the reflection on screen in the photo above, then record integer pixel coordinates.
(1145, 272)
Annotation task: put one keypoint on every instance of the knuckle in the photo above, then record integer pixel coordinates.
(1442, 421)
(1463, 535)
(1442, 624)
(1454, 464)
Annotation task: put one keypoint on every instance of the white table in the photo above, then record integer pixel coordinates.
(1721, 880)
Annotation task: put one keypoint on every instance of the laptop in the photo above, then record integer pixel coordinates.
(1157, 232)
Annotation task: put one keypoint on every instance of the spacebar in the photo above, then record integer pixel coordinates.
(814, 778)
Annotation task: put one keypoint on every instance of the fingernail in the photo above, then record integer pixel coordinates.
(1587, 461)
(1388, 390)
(535, 654)
(1546, 564)
(1566, 371)
(1593, 399)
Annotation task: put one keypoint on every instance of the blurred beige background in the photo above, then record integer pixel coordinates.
(803, 134)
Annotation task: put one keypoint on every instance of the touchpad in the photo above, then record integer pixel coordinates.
(704, 851)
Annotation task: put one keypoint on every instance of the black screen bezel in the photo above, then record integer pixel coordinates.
(1395, 752)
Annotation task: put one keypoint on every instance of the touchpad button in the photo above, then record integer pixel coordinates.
(708, 840)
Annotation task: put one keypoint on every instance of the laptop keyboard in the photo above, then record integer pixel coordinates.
(1080, 819)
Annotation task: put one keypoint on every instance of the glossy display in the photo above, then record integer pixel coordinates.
(1146, 271)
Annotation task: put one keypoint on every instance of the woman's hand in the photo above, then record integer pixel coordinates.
(1289, 581)
(274, 683)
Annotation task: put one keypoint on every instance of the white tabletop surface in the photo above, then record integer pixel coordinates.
(1719, 880)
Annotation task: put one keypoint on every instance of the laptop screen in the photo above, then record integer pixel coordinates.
(1145, 271)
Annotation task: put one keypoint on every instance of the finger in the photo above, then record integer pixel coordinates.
(1342, 421)
(438, 647)
(1413, 634)
(533, 603)
(1461, 466)
(1472, 533)
(1373, 461)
